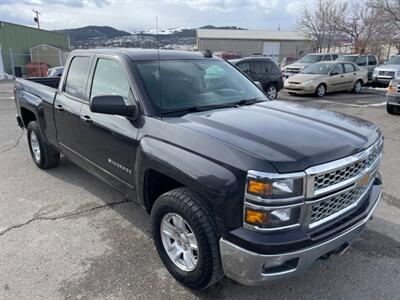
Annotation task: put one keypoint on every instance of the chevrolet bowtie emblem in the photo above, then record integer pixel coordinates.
(363, 180)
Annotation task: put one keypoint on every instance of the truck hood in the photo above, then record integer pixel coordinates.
(291, 137)
(388, 68)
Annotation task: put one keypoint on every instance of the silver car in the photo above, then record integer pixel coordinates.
(325, 77)
(383, 74)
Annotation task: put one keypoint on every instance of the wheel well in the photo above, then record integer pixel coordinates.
(156, 184)
(27, 116)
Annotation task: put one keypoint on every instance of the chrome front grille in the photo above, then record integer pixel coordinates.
(330, 178)
(335, 204)
(337, 187)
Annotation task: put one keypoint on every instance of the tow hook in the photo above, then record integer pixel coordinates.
(340, 251)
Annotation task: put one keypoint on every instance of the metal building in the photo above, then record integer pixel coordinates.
(274, 44)
(16, 41)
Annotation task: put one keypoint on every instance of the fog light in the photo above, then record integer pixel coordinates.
(256, 217)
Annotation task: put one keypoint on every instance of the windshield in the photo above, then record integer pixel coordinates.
(350, 58)
(395, 60)
(176, 85)
(319, 68)
(311, 58)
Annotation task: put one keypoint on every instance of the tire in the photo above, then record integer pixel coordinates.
(320, 91)
(181, 202)
(357, 87)
(391, 109)
(43, 155)
(272, 92)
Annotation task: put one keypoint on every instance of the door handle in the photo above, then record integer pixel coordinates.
(354, 73)
(341, 75)
(60, 108)
(86, 119)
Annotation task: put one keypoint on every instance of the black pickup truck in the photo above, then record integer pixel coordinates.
(235, 184)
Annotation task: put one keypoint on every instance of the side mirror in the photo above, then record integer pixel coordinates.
(258, 84)
(113, 105)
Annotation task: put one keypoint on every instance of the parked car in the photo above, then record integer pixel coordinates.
(393, 98)
(235, 184)
(367, 61)
(383, 74)
(55, 72)
(263, 70)
(306, 61)
(326, 77)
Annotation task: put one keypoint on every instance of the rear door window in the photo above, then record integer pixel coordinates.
(256, 68)
(372, 60)
(334, 56)
(75, 84)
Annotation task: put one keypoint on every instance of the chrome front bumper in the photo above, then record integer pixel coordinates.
(251, 268)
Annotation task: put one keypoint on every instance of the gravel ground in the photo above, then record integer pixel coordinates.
(66, 235)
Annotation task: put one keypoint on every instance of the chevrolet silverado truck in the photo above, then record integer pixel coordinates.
(235, 184)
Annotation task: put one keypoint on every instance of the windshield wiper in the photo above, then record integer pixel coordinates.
(249, 101)
(191, 109)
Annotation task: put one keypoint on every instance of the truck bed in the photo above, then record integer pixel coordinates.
(42, 87)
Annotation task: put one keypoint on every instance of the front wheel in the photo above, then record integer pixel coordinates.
(357, 87)
(185, 238)
(321, 90)
(272, 92)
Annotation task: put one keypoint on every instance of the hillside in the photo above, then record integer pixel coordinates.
(105, 36)
(93, 32)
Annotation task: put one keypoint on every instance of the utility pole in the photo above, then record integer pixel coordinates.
(36, 19)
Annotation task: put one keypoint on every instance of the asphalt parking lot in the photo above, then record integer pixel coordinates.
(66, 235)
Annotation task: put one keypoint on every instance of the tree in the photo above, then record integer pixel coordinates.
(318, 23)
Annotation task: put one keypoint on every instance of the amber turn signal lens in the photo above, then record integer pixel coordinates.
(259, 188)
(256, 217)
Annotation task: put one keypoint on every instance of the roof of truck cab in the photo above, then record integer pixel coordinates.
(148, 54)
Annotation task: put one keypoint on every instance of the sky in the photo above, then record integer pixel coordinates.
(134, 15)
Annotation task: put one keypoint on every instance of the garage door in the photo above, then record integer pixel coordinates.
(271, 49)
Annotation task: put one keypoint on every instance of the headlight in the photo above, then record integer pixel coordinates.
(273, 201)
(375, 72)
(275, 188)
(308, 82)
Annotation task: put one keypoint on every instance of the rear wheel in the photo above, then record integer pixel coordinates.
(185, 238)
(392, 109)
(321, 90)
(43, 154)
(272, 92)
(357, 87)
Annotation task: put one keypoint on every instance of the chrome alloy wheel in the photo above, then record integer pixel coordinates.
(321, 90)
(357, 87)
(272, 92)
(179, 242)
(35, 147)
